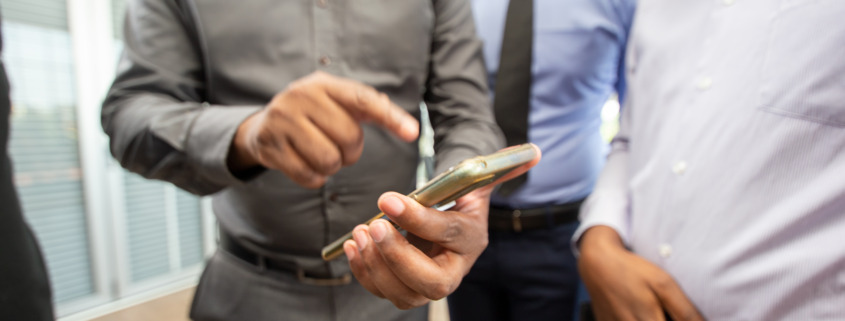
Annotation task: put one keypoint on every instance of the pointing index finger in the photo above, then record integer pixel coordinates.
(366, 104)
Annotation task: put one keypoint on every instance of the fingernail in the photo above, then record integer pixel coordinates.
(378, 230)
(392, 205)
(349, 248)
(361, 238)
(412, 129)
(409, 127)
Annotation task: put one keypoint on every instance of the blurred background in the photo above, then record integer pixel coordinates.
(118, 247)
(111, 238)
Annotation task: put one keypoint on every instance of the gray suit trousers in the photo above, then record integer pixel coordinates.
(231, 290)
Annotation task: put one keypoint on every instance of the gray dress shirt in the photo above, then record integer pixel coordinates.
(192, 71)
(729, 170)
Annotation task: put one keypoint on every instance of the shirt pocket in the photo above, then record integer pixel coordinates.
(803, 73)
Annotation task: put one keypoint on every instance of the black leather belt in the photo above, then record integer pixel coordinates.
(517, 220)
(228, 244)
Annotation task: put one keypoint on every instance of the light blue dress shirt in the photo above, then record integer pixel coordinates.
(729, 169)
(578, 49)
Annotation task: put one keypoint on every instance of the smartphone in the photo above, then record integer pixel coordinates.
(454, 183)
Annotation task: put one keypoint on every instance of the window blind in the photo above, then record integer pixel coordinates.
(146, 219)
(190, 229)
(44, 144)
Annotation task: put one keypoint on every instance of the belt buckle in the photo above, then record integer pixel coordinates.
(517, 223)
(342, 280)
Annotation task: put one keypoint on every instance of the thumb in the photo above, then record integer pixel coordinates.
(401, 209)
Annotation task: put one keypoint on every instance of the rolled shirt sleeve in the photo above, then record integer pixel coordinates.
(609, 204)
(155, 113)
(461, 113)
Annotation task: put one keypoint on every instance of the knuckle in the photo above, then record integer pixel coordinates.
(453, 231)
(351, 146)
(313, 183)
(265, 138)
(688, 315)
(305, 177)
(420, 301)
(304, 88)
(378, 294)
(297, 90)
(352, 154)
(401, 304)
(299, 176)
(263, 159)
(663, 282)
(439, 291)
(391, 258)
(409, 303)
(484, 241)
(367, 96)
(279, 111)
(328, 164)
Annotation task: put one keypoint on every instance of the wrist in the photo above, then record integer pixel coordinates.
(600, 238)
(240, 157)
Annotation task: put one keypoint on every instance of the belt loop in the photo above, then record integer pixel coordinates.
(517, 224)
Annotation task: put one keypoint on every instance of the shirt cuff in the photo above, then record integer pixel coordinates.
(603, 209)
(211, 137)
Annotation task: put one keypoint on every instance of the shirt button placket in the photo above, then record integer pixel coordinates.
(325, 61)
(325, 34)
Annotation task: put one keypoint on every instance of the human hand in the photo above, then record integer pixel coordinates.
(439, 251)
(624, 286)
(313, 128)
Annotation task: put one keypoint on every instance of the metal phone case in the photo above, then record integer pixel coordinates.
(459, 180)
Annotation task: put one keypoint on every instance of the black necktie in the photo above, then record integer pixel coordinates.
(512, 99)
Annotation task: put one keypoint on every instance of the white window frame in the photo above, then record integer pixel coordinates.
(90, 27)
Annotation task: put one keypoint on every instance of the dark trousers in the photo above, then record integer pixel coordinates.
(530, 275)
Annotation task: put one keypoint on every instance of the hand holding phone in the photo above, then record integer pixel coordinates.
(459, 180)
(429, 262)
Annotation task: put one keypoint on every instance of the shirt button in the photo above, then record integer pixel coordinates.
(704, 83)
(728, 2)
(665, 250)
(680, 168)
(325, 61)
(322, 3)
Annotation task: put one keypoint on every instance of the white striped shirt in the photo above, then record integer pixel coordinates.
(729, 170)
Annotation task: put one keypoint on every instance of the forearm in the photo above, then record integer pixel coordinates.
(155, 112)
(185, 143)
